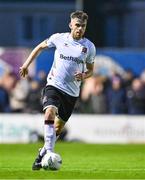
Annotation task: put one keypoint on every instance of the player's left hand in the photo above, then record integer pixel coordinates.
(79, 76)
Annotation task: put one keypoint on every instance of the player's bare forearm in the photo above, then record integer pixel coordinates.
(80, 76)
(35, 53)
(89, 71)
(88, 74)
(24, 68)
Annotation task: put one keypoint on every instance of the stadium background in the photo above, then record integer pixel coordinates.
(117, 29)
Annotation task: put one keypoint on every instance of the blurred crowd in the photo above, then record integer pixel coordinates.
(113, 95)
(21, 95)
(99, 94)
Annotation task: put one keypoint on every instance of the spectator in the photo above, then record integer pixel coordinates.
(83, 104)
(19, 95)
(136, 98)
(33, 99)
(7, 83)
(92, 96)
(128, 78)
(41, 78)
(98, 98)
(116, 96)
(142, 77)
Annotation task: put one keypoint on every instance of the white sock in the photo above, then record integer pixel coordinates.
(49, 137)
(42, 151)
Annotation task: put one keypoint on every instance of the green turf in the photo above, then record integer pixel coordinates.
(80, 161)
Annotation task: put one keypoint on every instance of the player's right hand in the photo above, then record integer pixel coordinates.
(23, 71)
(79, 76)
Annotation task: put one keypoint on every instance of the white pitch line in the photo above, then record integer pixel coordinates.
(123, 169)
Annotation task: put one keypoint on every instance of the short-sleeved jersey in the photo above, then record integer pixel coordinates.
(70, 57)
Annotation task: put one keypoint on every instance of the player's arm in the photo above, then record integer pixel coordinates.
(89, 71)
(84, 75)
(89, 64)
(24, 68)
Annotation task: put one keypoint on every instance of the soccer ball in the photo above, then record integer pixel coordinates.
(51, 161)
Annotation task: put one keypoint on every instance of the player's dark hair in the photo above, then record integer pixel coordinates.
(80, 15)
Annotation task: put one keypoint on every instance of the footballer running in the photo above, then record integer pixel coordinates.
(73, 62)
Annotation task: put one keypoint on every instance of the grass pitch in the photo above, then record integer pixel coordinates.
(80, 161)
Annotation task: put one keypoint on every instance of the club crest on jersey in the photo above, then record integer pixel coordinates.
(84, 50)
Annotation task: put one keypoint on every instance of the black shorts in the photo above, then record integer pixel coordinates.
(65, 103)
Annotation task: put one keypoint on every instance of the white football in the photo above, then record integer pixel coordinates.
(51, 161)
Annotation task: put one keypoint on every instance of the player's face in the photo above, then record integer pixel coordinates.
(78, 28)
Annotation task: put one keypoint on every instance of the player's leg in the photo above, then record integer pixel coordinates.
(58, 126)
(49, 136)
(50, 101)
(62, 106)
(49, 129)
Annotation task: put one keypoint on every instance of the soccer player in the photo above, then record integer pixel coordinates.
(73, 62)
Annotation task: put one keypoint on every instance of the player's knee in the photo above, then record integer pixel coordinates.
(50, 114)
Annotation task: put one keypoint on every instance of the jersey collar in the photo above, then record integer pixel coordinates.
(74, 40)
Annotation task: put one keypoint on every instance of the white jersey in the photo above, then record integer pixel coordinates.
(70, 57)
